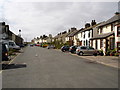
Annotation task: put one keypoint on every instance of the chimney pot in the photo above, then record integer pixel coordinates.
(117, 13)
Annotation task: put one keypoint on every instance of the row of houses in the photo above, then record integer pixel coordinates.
(7, 34)
(102, 36)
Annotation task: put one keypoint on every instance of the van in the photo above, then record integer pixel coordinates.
(11, 44)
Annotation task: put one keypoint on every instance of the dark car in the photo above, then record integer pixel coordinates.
(65, 48)
(51, 47)
(21, 45)
(72, 49)
(5, 50)
(31, 45)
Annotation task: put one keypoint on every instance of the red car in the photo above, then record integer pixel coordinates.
(37, 45)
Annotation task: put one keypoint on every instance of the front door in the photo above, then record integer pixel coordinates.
(80, 43)
(107, 45)
(112, 43)
(96, 46)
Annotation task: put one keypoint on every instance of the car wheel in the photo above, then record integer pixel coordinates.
(81, 53)
(63, 50)
(95, 54)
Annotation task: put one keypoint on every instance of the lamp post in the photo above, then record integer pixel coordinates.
(20, 33)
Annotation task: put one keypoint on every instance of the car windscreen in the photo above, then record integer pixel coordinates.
(83, 47)
(4, 49)
(11, 44)
(91, 48)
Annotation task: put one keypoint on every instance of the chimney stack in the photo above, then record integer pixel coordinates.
(93, 22)
(117, 13)
(73, 29)
(2, 23)
(87, 25)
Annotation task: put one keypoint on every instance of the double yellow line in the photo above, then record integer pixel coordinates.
(10, 62)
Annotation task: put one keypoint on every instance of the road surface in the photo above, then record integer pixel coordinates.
(43, 68)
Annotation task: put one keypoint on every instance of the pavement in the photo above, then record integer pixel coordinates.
(42, 68)
(112, 61)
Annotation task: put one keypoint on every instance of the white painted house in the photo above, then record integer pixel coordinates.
(106, 37)
(85, 34)
(117, 35)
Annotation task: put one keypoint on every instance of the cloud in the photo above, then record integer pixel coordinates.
(38, 18)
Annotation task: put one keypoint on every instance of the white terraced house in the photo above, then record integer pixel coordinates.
(86, 33)
(117, 35)
(106, 38)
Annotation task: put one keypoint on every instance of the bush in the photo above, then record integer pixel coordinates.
(101, 52)
(11, 52)
(117, 54)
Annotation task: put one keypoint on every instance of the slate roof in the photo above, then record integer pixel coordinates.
(79, 31)
(72, 33)
(57, 36)
(111, 20)
(64, 35)
(91, 27)
(103, 36)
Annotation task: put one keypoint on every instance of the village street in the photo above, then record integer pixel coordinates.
(39, 67)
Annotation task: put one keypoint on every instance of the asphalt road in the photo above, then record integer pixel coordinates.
(54, 69)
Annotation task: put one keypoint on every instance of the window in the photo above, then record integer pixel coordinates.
(106, 26)
(89, 43)
(84, 35)
(111, 27)
(101, 43)
(98, 31)
(81, 34)
(84, 43)
(89, 34)
(83, 47)
(101, 30)
(118, 46)
(112, 43)
(118, 31)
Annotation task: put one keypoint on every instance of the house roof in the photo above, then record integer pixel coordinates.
(72, 33)
(57, 36)
(78, 31)
(64, 35)
(103, 36)
(91, 27)
(111, 20)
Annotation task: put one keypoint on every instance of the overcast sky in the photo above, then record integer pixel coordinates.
(38, 18)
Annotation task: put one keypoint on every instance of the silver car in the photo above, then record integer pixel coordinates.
(81, 50)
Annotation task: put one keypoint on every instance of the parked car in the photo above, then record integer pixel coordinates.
(51, 47)
(72, 49)
(31, 45)
(5, 50)
(21, 45)
(11, 44)
(81, 50)
(44, 45)
(37, 45)
(65, 48)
